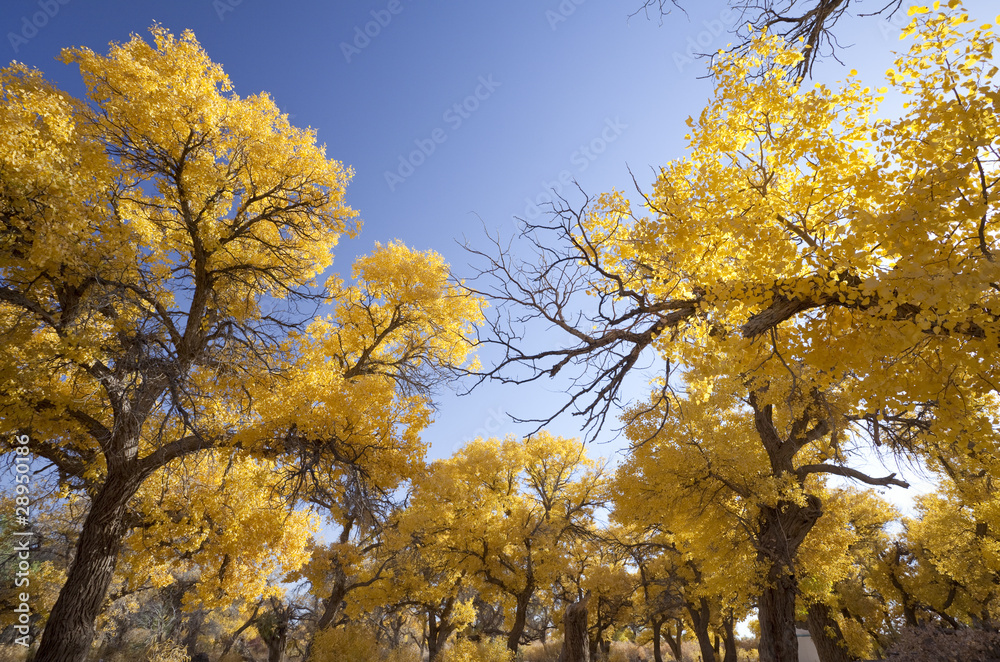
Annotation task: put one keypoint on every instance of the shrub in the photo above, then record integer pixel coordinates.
(928, 643)
(490, 650)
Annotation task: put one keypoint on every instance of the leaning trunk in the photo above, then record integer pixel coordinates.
(675, 641)
(826, 635)
(70, 629)
(520, 619)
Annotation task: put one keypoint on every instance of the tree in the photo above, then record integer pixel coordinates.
(159, 242)
(811, 21)
(836, 272)
(505, 512)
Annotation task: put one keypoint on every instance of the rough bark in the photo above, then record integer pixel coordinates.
(575, 642)
(776, 607)
(782, 530)
(826, 635)
(70, 629)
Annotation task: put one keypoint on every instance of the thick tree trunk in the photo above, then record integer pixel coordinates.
(782, 530)
(826, 635)
(575, 642)
(657, 651)
(776, 608)
(700, 619)
(729, 640)
(70, 629)
(520, 619)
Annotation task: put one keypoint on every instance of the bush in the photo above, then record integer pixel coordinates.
(928, 643)
(539, 652)
(352, 643)
(166, 651)
(490, 650)
(626, 651)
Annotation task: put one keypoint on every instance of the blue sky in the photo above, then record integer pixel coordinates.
(454, 115)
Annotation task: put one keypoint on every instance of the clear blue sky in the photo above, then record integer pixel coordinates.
(543, 87)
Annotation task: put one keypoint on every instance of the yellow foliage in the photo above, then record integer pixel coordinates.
(490, 650)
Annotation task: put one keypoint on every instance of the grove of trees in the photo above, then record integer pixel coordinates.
(227, 440)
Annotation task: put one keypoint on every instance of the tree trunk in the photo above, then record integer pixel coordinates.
(776, 608)
(782, 530)
(575, 643)
(829, 644)
(701, 618)
(675, 641)
(657, 652)
(520, 619)
(729, 640)
(437, 636)
(70, 629)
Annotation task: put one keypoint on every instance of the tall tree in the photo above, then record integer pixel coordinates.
(838, 270)
(159, 242)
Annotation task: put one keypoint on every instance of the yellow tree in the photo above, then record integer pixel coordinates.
(505, 511)
(839, 270)
(846, 619)
(157, 242)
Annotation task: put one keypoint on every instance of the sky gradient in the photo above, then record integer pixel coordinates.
(456, 116)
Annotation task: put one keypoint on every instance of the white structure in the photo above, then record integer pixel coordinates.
(807, 649)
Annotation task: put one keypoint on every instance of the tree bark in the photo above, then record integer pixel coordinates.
(575, 641)
(781, 531)
(520, 619)
(675, 641)
(829, 646)
(657, 651)
(776, 608)
(70, 629)
(700, 619)
(729, 640)
(437, 636)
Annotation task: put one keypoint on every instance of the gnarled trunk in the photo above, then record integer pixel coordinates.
(575, 643)
(437, 635)
(782, 530)
(70, 629)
